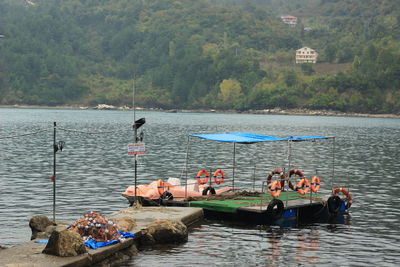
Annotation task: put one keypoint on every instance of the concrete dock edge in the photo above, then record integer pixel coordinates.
(30, 254)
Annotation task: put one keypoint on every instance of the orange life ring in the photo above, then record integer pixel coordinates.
(315, 184)
(160, 186)
(275, 188)
(219, 176)
(300, 186)
(296, 172)
(163, 186)
(346, 193)
(199, 174)
(276, 171)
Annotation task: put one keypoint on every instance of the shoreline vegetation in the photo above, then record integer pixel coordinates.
(200, 54)
(274, 111)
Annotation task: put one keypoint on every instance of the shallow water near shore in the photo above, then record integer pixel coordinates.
(94, 169)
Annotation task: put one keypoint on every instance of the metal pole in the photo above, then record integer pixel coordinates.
(234, 165)
(135, 132)
(135, 176)
(186, 164)
(133, 99)
(55, 148)
(254, 170)
(290, 153)
(254, 177)
(210, 177)
(333, 161)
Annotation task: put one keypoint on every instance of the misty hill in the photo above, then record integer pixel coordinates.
(201, 53)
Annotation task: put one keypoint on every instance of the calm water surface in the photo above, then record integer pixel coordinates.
(94, 169)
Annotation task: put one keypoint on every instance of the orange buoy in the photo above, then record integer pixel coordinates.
(219, 176)
(276, 171)
(315, 184)
(160, 186)
(206, 176)
(300, 186)
(275, 188)
(296, 172)
(344, 192)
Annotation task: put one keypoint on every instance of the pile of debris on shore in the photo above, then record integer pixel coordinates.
(94, 226)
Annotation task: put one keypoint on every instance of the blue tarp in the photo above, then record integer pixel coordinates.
(246, 138)
(305, 138)
(41, 241)
(91, 243)
(249, 138)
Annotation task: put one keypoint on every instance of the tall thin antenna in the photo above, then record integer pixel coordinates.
(135, 131)
(133, 99)
(55, 148)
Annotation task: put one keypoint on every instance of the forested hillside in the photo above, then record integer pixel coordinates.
(220, 54)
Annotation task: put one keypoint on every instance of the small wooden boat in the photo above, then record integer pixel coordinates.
(158, 192)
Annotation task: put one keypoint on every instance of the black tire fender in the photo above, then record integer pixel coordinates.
(334, 203)
(209, 188)
(275, 213)
(167, 196)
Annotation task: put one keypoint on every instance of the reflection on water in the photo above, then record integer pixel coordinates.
(93, 170)
(233, 245)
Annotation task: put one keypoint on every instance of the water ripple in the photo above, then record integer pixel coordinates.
(93, 170)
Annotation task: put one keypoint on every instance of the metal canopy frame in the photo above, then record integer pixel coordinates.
(249, 138)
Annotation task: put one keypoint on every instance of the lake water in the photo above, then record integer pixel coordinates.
(93, 169)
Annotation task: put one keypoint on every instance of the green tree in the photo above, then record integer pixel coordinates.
(230, 92)
(290, 77)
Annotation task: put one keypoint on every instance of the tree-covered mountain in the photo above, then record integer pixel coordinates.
(220, 54)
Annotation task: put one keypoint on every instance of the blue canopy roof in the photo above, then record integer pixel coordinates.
(249, 138)
(305, 138)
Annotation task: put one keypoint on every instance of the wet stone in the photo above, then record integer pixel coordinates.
(65, 244)
(125, 224)
(50, 229)
(39, 224)
(162, 232)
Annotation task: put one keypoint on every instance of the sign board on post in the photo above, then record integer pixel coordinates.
(135, 149)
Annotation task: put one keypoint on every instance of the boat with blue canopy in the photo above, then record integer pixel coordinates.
(287, 193)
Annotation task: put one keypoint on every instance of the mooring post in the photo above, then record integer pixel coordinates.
(234, 165)
(134, 131)
(55, 148)
(135, 177)
(186, 165)
(135, 141)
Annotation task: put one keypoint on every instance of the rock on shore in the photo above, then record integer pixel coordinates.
(42, 227)
(39, 224)
(162, 232)
(65, 244)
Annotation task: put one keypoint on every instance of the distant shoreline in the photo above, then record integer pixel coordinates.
(275, 111)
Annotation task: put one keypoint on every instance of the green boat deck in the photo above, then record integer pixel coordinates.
(290, 199)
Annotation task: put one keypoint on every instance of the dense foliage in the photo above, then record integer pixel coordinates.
(224, 54)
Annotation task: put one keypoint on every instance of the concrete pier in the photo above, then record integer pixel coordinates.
(30, 253)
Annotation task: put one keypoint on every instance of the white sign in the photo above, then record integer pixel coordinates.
(134, 149)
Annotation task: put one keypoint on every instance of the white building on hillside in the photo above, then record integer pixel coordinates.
(290, 20)
(306, 55)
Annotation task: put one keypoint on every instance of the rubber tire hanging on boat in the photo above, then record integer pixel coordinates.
(334, 203)
(167, 196)
(209, 188)
(275, 213)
